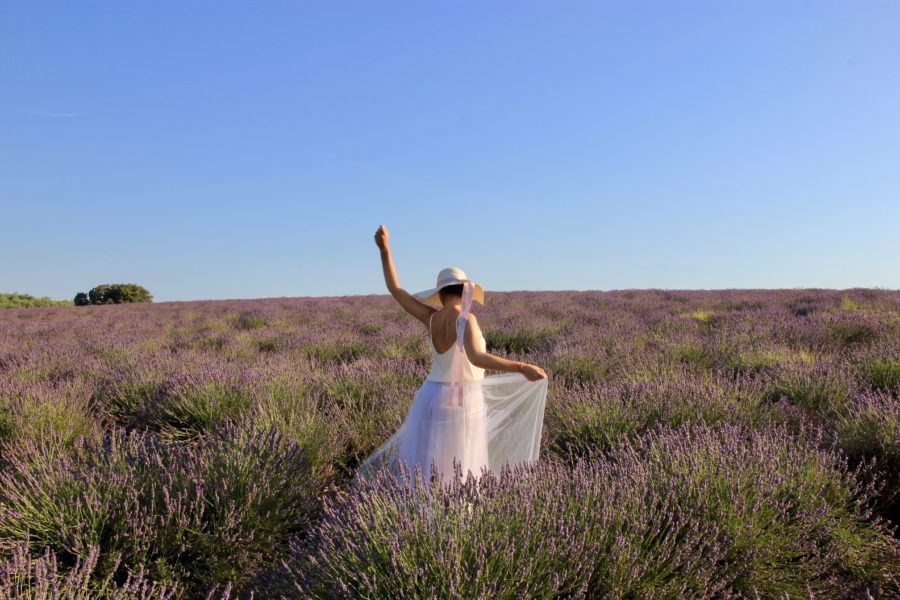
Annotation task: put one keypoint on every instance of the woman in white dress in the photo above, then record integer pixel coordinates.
(459, 416)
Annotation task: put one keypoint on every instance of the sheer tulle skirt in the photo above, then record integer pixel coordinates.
(438, 431)
(499, 422)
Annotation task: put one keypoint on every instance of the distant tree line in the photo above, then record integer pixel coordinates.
(113, 293)
(16, 300)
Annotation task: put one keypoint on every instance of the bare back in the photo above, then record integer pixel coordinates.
(443, 329)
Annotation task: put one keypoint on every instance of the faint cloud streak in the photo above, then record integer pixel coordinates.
(43, 113)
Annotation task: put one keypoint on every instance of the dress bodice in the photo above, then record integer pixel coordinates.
(442, 362)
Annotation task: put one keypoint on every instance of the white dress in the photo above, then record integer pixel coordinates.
(445, 430)
(459, 414)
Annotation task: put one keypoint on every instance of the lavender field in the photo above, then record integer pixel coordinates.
(722, 444)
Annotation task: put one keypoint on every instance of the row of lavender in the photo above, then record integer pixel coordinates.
(703, 444)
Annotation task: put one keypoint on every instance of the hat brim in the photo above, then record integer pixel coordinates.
(432, 298)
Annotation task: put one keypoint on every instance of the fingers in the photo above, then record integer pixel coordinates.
(381, 236)
(535, 372)
(532, 372)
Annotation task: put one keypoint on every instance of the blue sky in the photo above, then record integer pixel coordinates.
(246, 150)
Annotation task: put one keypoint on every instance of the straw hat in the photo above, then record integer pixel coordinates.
(449, 276)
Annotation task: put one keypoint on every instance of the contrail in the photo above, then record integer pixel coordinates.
(43, 113)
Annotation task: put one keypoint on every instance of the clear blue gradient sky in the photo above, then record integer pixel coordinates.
(245, 150)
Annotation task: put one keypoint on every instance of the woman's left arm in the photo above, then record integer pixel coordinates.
(410, 303)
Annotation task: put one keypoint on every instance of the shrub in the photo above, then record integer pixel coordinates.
(882, 373)
(571, 369)
(759, 361)
(129, 402)
(25, 577)
(113, 293)
(41, 409)
(16, 300)
(335, 351)
(191, 404)
(249, 320)
(804, 305)
(850, 334)
(701, 315)
(695, 354)
(597, 417)
(218, 510)
(542, 531)
(365, 403)
(519, 341)
(821, 390)
(848, 304)
(694, 512)
(871, 429)
(267, 345)
(299, 417)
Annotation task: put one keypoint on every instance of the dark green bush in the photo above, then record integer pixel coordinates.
(113, 293)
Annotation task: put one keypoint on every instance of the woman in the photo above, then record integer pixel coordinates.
(460, 419)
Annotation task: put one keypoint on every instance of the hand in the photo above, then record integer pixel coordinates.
(381, 237)
(532, 372)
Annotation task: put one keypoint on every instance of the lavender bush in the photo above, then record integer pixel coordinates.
(38, 409)
(871, 428)
(191, 515)
(190, 441)
(693, 512)
(27, 578)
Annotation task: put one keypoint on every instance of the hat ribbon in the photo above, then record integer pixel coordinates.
(459, 353)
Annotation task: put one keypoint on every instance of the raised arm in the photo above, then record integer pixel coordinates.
(486, 360)
(410, 303)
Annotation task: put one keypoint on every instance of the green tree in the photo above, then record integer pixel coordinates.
(130, 292)
(117, 293)
(100, 294)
